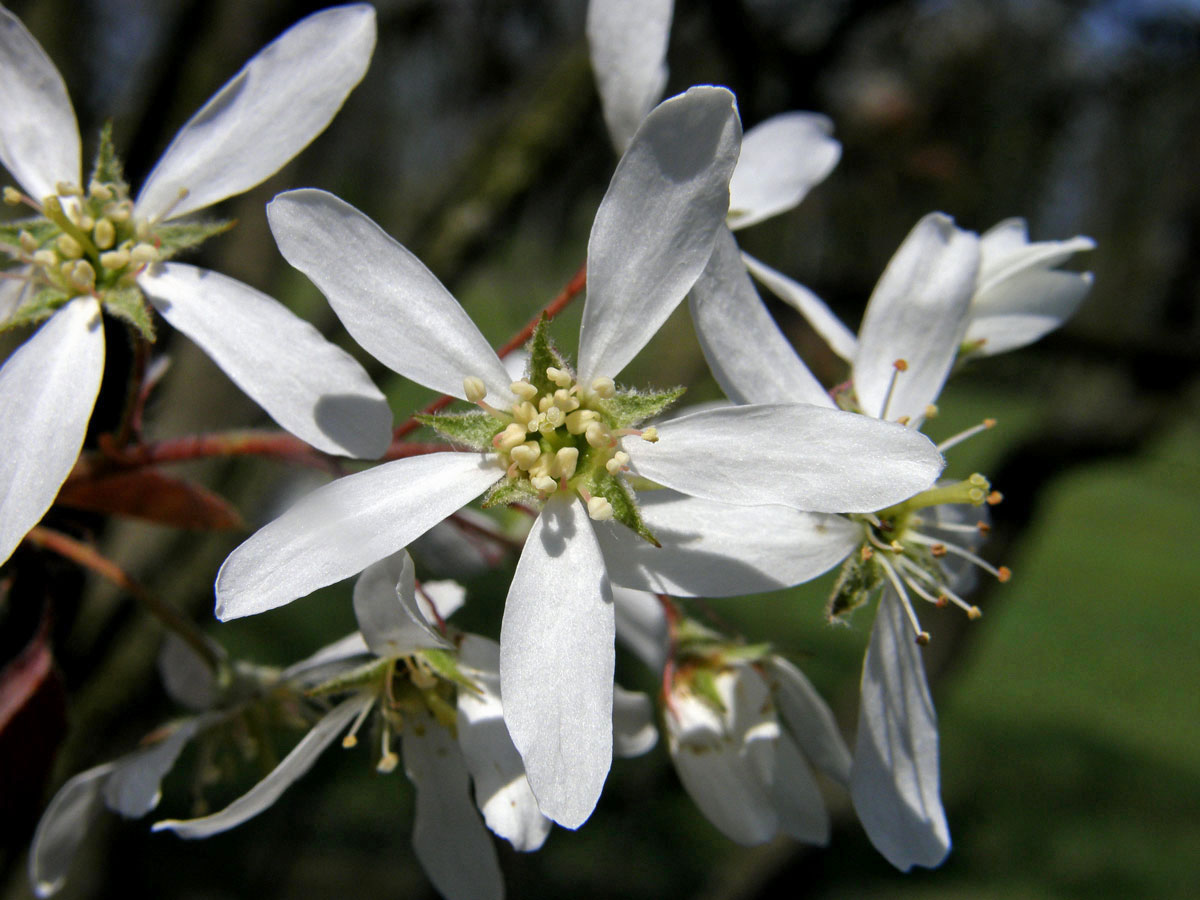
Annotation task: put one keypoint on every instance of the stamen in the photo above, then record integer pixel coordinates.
(1002, 574)
(559, 377)
(945, 597)
(474, 388)
(524, 390)
(964, 435)
(897, 367)
(388, 760)
(104, 234)
(351, 738)
(599, 509)
(994, 498)
(13, 197)
(922, 637)
(579, 421)
(650, 435)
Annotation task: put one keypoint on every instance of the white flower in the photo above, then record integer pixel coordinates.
(652, 236)
(743, 747)
(266, 114)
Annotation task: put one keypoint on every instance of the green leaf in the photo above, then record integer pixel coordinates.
(542, 355)
(177, 236)
(474, 429)
(42, 305)
(625, 510)
(511, 490)
(856, 582)
(629, 408)
(128, 304)
(107, 169)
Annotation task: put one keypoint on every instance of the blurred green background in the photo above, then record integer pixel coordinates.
(1069, 714)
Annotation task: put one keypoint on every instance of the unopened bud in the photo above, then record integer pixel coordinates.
(143, 253)
(104, 234)
(474, 388)
(523, 389)
(115, 259)
(68, 247)
(83, 276)
(12, 196)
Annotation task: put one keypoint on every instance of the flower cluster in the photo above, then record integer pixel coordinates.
(633, 507)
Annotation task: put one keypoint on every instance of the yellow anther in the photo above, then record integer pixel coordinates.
(578, 421)
(922, 638)
(565, 461)
(524, 414)
(349, 741)
(104, 234)
(101, 192)
(67, 189)
(599, 509)
(603, 387)
(994, 497)
(119, 212)
(931, 410)
(523, 389)
(82, 275)
(544, 484)
(474, 388)
(387, 763)
(619, 460)
(989, 423)
(650, 435)
(900, 365)
(12, 196)
(559, 377)
(526, 455)
(115, 259)
(87, 223)
(143, 253)
(510, 437)
(68, 247)
(1003, 573)
(597, 435)
(555, 417)
(903, 420)
(545, 402)
(565, 401)
(27, 241)
(974, 612)
(45, 258)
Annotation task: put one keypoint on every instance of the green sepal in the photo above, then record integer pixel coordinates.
(542, 355)
(511, 490)
(625, 510)
(369, 674)
(107, 169)
(41, 230)
(44, 303)
(445, 664)
(474, 429)
(627, 409)
(176, 236)
(747, 652)
(128, 304)
(858, 579)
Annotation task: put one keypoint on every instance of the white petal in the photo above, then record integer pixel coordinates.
(808, 719)
(640, 622)
(13, 291)
(797, 798)
(557, 660)
(385, 297)
(385, 605)
(894, 782)
(311, 387)
(628, 43)
(312, 669)
(188, 678)
(450, 841)
(782, 159)
(135, 785)
(793, 455)
(47, 390)
(445, 597)
(501, 788)
(713, 549)
(279, 779)
(343, 527)
(1022, 309)
(263, 116)
(748, 354)
(841, 340)
(63, 826)
(1005, 251)
(917, 313)
(633, 723)
(39, 139)
(655, 227)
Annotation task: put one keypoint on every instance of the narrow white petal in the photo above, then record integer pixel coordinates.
(279, 779)
(795, 455)
(311, 387)
(39, 139)
(633, 723)
(640, 622)
(808, 719)
(917, 313)
(782, 159)
(311, 669)
(841, 340)
(501, 789)
(557, 660)
(748, 354)
(343, 527)
(713, 549)
(388, 301)
(656, 225)
(47, 390)
(628, 43)
(385, 605)
(263, 116)
(135, 785)
(449, 839)
(798, 800)
(894, 782)
(63, 826)
(1020, 310)
(443, 597)
(187, 677)
(1005, 251)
